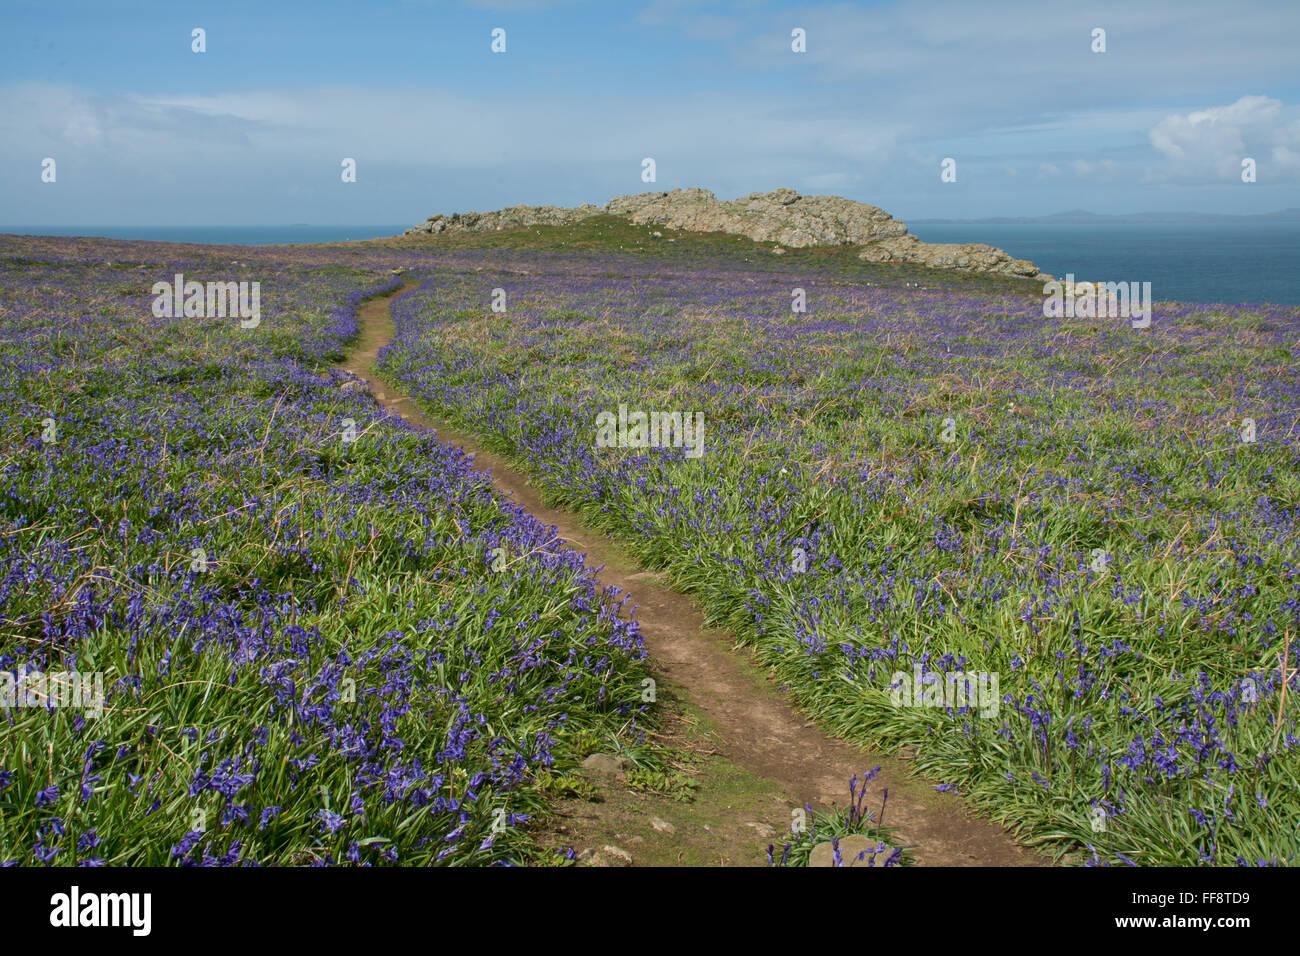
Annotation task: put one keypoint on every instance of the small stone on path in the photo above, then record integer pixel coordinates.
(851, 846)
(608, 855)
(607, 765)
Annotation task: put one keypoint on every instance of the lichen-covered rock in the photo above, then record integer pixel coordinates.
(506, 218)
(781, 216)
(965, 257)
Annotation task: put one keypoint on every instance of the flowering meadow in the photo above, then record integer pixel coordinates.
(938, 481)
(322, 638)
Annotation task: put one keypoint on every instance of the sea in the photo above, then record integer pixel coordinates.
(1232, 262)
(219, 235)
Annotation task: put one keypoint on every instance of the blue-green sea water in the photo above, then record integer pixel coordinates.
(1186, 262)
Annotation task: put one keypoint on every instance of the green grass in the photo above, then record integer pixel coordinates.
(341, 676)
(1070, 436)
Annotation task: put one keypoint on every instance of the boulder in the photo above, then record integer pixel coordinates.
(607, 765)
(608, 855)
(964, 257)
(851, 846)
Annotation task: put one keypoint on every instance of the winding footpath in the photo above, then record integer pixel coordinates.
(720, 696)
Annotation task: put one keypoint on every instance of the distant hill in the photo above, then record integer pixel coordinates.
(1082, 216)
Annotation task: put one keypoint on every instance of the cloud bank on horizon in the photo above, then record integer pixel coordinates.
(255, 128)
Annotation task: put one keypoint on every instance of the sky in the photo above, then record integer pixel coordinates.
(143, 130)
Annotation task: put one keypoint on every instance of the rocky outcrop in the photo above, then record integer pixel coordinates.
(781, 216)
(504, 219)
(968, 256)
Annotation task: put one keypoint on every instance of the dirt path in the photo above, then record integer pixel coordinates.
(758, 757)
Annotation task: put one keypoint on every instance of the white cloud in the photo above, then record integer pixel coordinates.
(949, 68)
(881, 96)
(1087, 169)
(1208, 145)
(263, 141)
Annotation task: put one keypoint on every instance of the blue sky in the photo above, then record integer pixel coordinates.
(144, 131)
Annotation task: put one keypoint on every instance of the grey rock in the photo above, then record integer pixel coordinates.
(607, 765)
(353, 385)
(509, 217)
(965, 257)
(608, 855)
(618, 854)
(781, 216)
(823, 854)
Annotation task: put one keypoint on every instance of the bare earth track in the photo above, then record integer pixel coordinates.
(757, 756)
